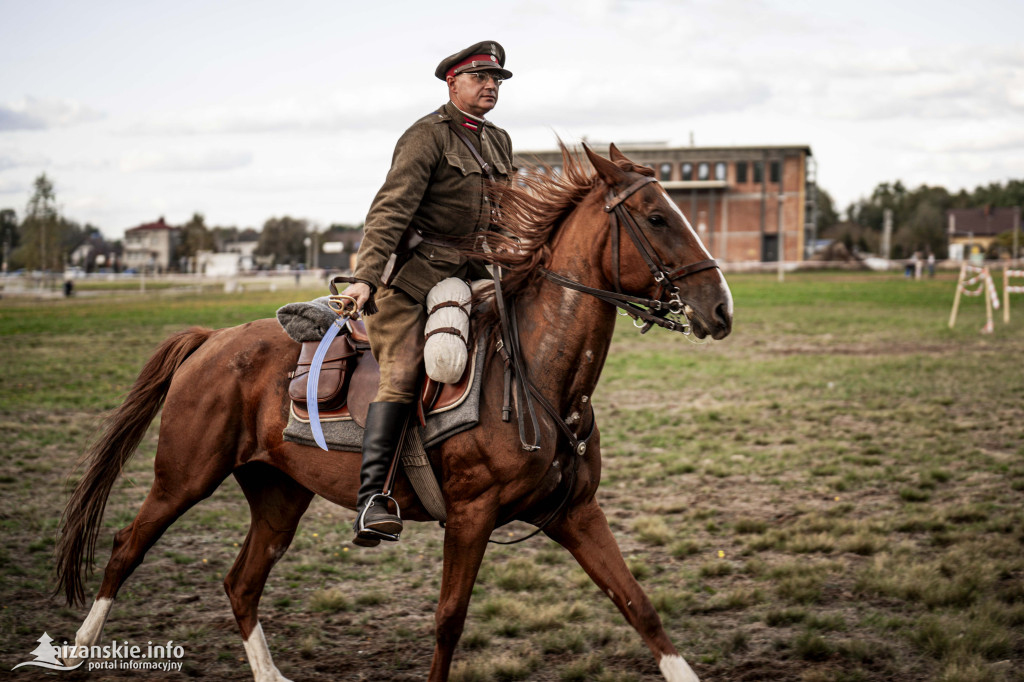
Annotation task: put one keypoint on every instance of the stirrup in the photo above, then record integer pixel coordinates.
(371, 536)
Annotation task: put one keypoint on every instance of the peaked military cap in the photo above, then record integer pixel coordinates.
(485, 56)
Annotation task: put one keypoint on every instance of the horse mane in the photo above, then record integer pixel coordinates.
(530, 211)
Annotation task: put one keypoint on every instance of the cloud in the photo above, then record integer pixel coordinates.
(13, 187)
(37, 113)
(985, 138)
(15, 158)
(649, 96)
(368, 108)
(207, 160)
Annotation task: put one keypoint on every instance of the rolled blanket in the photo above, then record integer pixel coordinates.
(447, 331)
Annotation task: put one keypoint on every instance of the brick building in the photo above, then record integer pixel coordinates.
(738, 198)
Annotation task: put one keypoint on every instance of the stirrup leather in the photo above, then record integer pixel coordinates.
(371, 533)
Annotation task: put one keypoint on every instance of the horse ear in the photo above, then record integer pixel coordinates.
(609, 172)
(615, 155)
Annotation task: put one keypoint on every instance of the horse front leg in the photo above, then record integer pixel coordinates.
(465, 541)
(585, 533)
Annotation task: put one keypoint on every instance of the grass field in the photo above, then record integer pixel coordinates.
(832, 493)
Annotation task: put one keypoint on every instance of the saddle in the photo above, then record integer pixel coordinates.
(349, 378)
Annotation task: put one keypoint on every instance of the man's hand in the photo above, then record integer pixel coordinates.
(360, 291)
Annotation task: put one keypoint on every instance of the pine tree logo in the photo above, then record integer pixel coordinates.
(46, 656)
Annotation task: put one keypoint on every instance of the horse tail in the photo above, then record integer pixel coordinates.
(123, 429)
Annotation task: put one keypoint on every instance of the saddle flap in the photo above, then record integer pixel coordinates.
(357, 330)
(439, 397)
(363, 387)
(333, 373)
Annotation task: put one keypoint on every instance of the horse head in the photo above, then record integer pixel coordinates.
(658, 253)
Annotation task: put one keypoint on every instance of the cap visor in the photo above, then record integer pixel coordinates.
(504, 73)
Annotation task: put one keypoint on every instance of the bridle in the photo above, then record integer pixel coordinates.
(651, 310)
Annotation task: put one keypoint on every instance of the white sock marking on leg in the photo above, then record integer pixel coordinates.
(92, 627)
(676, 669)
(260, 660)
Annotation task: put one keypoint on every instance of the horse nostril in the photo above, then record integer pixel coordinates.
(722, 315)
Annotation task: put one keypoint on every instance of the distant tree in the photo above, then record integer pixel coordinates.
(347, 226)
(827, 216)
(8, 235)
(222, 236)
(923, 231)
(40, 239)
(998, 195)
(857, 238)
(195, 237)
(283, 239)
(70, 235)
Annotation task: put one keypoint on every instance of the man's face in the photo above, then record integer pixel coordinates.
(475, 93)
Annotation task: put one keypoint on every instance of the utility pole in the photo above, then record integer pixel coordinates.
(886, 233)
(782, 239)
(1016, 232)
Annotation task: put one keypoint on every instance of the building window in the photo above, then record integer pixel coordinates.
(758, 171)
(720, 171)
(703, 171)
(774, 171)
(556, 170)
(665, 171)
(687, 171)
(741, 172)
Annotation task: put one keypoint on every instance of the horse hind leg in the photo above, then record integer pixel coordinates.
(167, 500)
(585, 533)
(276, 503)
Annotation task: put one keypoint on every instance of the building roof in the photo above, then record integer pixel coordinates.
(640, 148)
(158, 225)
(982, 221)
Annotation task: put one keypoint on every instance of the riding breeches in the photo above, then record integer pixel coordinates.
(396, 338)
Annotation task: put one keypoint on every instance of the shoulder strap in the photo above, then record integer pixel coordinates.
(484, 166)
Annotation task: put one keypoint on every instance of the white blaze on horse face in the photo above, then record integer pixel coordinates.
(693, 232)
(260, 660)
(676, 669)
(92, 628)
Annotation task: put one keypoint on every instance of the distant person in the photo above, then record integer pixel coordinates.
(931, 264)
(437, 184)
(69, 287)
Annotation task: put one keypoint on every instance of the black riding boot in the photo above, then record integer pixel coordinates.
(385, 423)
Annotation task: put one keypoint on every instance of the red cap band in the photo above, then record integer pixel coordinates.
(475, 58)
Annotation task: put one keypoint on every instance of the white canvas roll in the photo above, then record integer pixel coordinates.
(445, 355)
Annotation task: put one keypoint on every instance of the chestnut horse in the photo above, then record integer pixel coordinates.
(225, 404)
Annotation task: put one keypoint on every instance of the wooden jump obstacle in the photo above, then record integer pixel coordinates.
(982, 279)
(1010, 289)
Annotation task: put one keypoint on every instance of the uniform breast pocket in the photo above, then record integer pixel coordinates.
(464, 165)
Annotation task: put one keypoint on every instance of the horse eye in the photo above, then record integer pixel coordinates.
(656, 220)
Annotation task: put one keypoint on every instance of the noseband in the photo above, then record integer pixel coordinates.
(651, 310)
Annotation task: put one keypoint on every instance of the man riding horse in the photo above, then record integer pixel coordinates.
(436, 184)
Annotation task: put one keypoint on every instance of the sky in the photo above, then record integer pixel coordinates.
(243, 111)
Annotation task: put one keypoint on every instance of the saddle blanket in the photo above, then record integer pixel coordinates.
(343, 433)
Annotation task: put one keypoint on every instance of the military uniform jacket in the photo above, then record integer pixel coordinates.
(436, 185)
